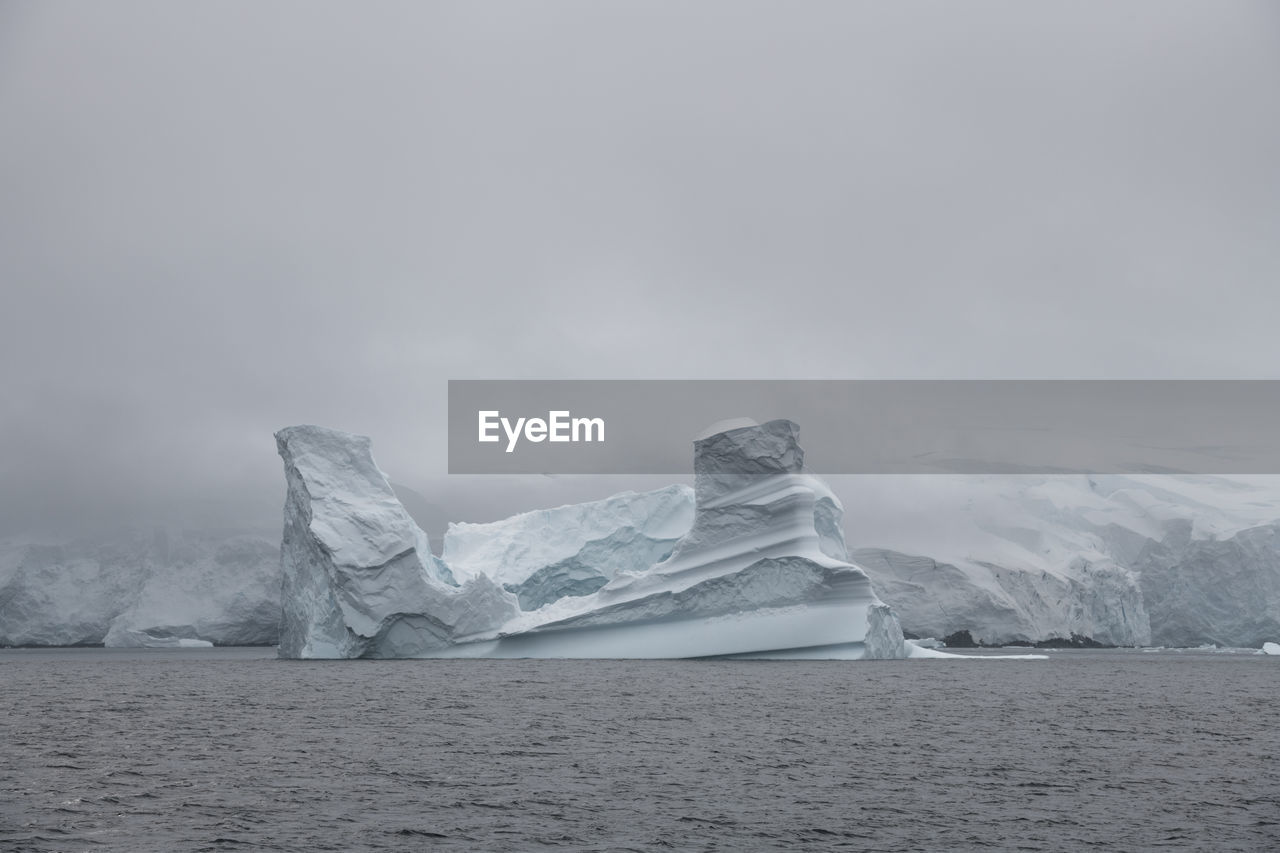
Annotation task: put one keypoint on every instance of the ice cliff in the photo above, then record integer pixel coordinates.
(133, 589)
(358, 576)
(761, 572)
(1125, 560)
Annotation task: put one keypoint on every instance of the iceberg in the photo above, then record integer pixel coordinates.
(573, 550)
(1271, 648)
(761, 571)
(358, 578)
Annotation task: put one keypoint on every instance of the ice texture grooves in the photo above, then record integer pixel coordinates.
(753, 574)
(762, 566)
(1129, 560)
(571, 550)
(359, 579)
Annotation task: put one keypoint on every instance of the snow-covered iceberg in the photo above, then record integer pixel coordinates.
(358, 575)
(762, 571)
(545, 555)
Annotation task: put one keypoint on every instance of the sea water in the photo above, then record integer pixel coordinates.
(231, 749)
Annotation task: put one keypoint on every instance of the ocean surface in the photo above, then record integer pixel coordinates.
(231, 749)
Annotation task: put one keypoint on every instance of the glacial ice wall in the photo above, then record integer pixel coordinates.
(1222, 591)
(1000, 603)
(1127, 560)
(130, 589)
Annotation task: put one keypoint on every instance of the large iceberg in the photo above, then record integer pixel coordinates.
(761, 572)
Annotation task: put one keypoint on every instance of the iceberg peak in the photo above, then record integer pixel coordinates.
(358, 576)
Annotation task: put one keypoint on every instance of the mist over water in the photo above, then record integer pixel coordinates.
(231, 749)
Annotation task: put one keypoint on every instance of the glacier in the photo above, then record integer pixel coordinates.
(165, 587)
(761, 572)
(1130, 560)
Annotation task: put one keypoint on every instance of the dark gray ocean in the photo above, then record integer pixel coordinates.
(232, 750)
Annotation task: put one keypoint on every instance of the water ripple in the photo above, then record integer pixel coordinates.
(221, 750)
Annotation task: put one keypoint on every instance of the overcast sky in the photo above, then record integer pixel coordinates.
(218, 219)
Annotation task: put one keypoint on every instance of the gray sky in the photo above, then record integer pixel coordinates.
(219, 219)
